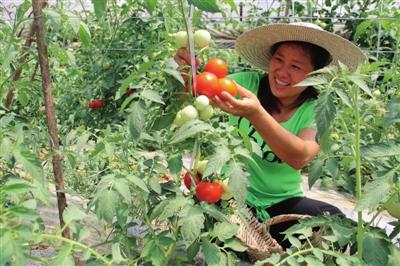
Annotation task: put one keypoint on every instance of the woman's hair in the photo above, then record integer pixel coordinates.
(319, 58)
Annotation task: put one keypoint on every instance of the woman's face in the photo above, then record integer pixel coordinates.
(289, 65)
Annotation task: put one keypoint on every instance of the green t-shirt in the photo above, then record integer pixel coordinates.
(276, 181)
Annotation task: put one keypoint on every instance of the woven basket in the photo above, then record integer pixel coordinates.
(260, 244)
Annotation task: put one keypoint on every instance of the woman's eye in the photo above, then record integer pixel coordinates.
(296, 67)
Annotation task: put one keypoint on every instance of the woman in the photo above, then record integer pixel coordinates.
(279, 115)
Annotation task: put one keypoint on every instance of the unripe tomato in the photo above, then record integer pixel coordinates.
(202, 38)
(92, 105)
(207, 84)
(188, 181)
(227, 192)
(210, 192)
(189, 112)
(335, 136)
(376, 93)
(201, 102)
(178, 119)
(217, 66)
(182, 39)
(228, 85)
(98, 103)
(202, 166)
(106, 65)
(207, 113)
(393, 207)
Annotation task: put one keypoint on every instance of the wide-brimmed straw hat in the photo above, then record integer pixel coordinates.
(254, 45)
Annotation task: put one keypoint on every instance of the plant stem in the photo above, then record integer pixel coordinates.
(74, 243)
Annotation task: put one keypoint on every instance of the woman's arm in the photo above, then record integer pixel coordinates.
(296, 151)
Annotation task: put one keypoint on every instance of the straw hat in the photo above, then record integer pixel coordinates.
(254, 45)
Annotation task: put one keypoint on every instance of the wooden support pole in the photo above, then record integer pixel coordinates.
(50, 115)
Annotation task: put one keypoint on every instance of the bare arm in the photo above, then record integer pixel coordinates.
(296, 151)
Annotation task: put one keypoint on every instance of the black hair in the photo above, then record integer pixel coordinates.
(319, 59)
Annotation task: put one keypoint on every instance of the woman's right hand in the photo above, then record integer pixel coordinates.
(182, 58)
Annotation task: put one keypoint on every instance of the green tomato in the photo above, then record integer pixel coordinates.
(393, 207)
(182, 39)
(151, 74)
(207, 113)
(227, 192)
(202, 166)
(106, 65)
(160, 78)
(376, 93)
(189, 113)
(202, 38)
(201, 102)
(178, 119)
(335, 136)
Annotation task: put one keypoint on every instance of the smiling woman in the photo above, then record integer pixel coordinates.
(278, 115)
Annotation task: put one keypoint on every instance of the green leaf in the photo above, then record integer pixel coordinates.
(344, 96)
(217, 160)
(81, 141)
(71, 58)
(138, 182)
(224, 230)
(154, 184)
(332, 166)
(380, 150)
(311, 260)
(375, 250)
(238, 181)
(211, 252)
(190, 129)
(125, 85)
(84, 34)
(150, 5)
(192, 250)
(235, 245)
(143, 67)
(374, 193)
(72, 213)
(191, 226)
(136, 119)
(205, 5)
(294, 241)
(231, 3)
(360, 82)
(361, 28)
(174, 206)
(18, 188)
(318, 253)
(152, 96)
(22, 98)
(394, 255)
(315, 172)
(108, 203)
(54, 17)
(24, 213)
(100, 7)
(121, 185)
(314, 80)
(64, 256)
(6, 245)
(116, 253)
(393, 111)
(175, 166)
(10, 56)
(213, 211)
(325, 111)
(158, 256)
(122, 214)
(84, 233)
(148, 248)
(74, 21)
(342, 233)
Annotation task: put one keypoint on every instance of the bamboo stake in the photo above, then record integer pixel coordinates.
(49, 106)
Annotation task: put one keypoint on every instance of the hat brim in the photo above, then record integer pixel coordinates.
(254, 45)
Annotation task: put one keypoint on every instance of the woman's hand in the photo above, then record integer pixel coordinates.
(182, 58)
(247, 106)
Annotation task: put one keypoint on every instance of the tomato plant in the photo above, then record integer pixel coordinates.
(207, 84)
(202, 38)
(188, 180)
(209, 191)
(228, 85)
(217, 66)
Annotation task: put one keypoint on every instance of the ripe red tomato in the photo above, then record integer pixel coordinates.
(92, 105)
(207, 84)
(129, 91)
(188, 181)
(98, 103)
(217, 66)
(210, 192)
(228, 85)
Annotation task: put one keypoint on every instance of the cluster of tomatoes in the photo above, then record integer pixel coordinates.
(96, 104)
(201, 38)
(213, 81)
(200, 109)
(210, 192)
